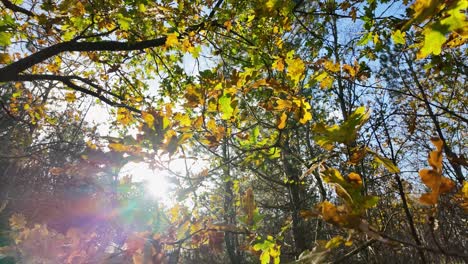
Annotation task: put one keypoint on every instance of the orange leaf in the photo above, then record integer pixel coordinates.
(435, 159)
(308, 214)
(438, 143)
(282, 121)
(430, 178)
(446, 185)
(355, 178)
(429, 198)
(330, 212)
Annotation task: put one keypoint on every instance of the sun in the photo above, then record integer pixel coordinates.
(155, 181)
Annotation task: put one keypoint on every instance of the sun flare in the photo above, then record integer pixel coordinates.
(155, 181)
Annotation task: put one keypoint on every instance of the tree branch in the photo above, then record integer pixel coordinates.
(16, 8)
(68, 81)
(11, 71)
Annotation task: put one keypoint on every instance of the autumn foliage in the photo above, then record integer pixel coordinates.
(289, 131)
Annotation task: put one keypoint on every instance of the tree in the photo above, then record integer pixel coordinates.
(316, 118)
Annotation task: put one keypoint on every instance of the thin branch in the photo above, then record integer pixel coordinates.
(68, 81)
(355, 251)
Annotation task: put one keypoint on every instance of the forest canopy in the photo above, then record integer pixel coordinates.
(286, 131)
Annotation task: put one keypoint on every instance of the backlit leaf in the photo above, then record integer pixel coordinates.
(5, 58)
(148, 118)
(278, 64)
(399, 37)
(335, 242)
(296, 68)
(391, 167)
(70, 97)
(225, 107)
(172, 40)
(282, 120)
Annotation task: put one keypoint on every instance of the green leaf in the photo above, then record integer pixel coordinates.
(435, 33)
(124, 22)
(5, 39)
(433, 41)
(345, 133)
(365, 39)
(225, 107)
(255, 134)
(370, 201)
(391, 167)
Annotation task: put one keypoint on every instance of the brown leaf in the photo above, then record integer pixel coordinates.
(357, 155)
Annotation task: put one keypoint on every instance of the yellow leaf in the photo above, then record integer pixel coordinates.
(282, 121)
(327, 82)
(296, 68)
(183, 119)
(335, 242)
(148, 118)
(376, 38)
(399, 37)
(211, 125)
(118, 147)
(124, 116)
(391, 167)
(187, 46)
(435, 159)
(350, 70)
(424, 9)
(228, 25)
(5, 58)
(70, 97)
(305, 117)
(265, 257)
(79, 9)
(464, 189)
(172, 40)
(248, 206)
(270, 4)
(283, 104)
(331, 66)
(91, 145)
(53, 67)
(278, 64)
